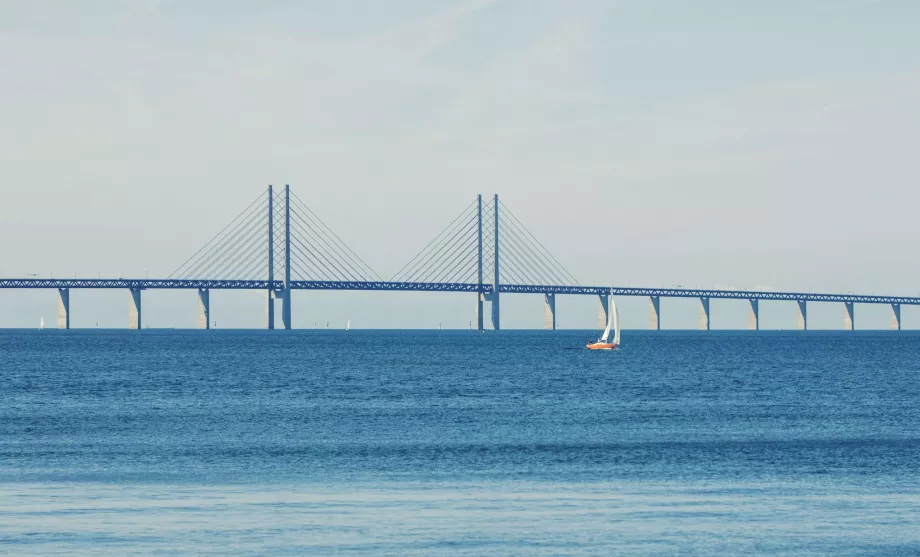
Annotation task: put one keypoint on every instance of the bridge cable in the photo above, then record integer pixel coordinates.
(436, 238)
(535, 259)
(349, 266)
(460, 257)
(243, 250)
(322, 254)
(321, 257)
(216, 252)
(202, 248)
(241, 228)
(360, 265)
(445, 249)
(246, 257)
(546, 251)
(368, 269)
(327, 248)
(309, 262)
(327, 244)
(446, 253)
(435, 254)
(519, 256)
(213, 257)
(313, 259)
(546, 275)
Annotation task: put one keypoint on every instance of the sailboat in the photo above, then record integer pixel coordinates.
(613, 321)
(348, 325)
(41, 325)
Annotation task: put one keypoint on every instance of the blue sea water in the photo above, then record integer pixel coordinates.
(458, 443)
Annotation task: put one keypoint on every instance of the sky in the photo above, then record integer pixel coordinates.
(709, 144)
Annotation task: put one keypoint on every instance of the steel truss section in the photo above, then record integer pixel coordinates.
(385, 285)
(141, 284)
(145, 284)
(700, 293)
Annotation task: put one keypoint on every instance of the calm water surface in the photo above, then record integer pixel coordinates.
(456, 443)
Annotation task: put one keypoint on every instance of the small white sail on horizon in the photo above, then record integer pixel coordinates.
(613, 322)
(41, 325)
(348, 325)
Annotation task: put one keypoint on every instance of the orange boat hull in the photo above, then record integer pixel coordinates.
(601, 346)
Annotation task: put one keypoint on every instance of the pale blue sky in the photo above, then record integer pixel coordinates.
(711, 143)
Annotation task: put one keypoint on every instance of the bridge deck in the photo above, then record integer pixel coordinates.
(146, 284)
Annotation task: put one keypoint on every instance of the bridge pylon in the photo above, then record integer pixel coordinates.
(485, 242)
(270, 309)
(479, 294)
(496, 314)
(278, 245)
(286, 293)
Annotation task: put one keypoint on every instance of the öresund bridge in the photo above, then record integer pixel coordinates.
(277, 244)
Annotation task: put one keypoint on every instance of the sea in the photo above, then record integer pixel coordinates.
(415, 443)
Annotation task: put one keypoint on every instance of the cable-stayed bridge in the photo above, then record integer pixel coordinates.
(279, 245)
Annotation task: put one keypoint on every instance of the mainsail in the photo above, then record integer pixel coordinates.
(611, 317)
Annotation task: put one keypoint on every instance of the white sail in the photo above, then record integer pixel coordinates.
(348, 325)
(610, 317)
(41, 325)
(616, 322)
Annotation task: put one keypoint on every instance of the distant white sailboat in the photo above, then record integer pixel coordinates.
(613, 322)
(348, 325)
(41, 325)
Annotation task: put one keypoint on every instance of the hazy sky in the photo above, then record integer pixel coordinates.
(717, 143)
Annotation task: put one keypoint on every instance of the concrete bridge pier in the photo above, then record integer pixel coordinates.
(492, 298)
(496, 315)
(801, 317)
(549, 312)
(753, 314)
(63, 308)
(849, 323)
(286, 308)
(270, 311)
(479, 314)
(704, 313)
(603, 305)
(654, 313)
(896, 317)
(204, 308)
(134, 309)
